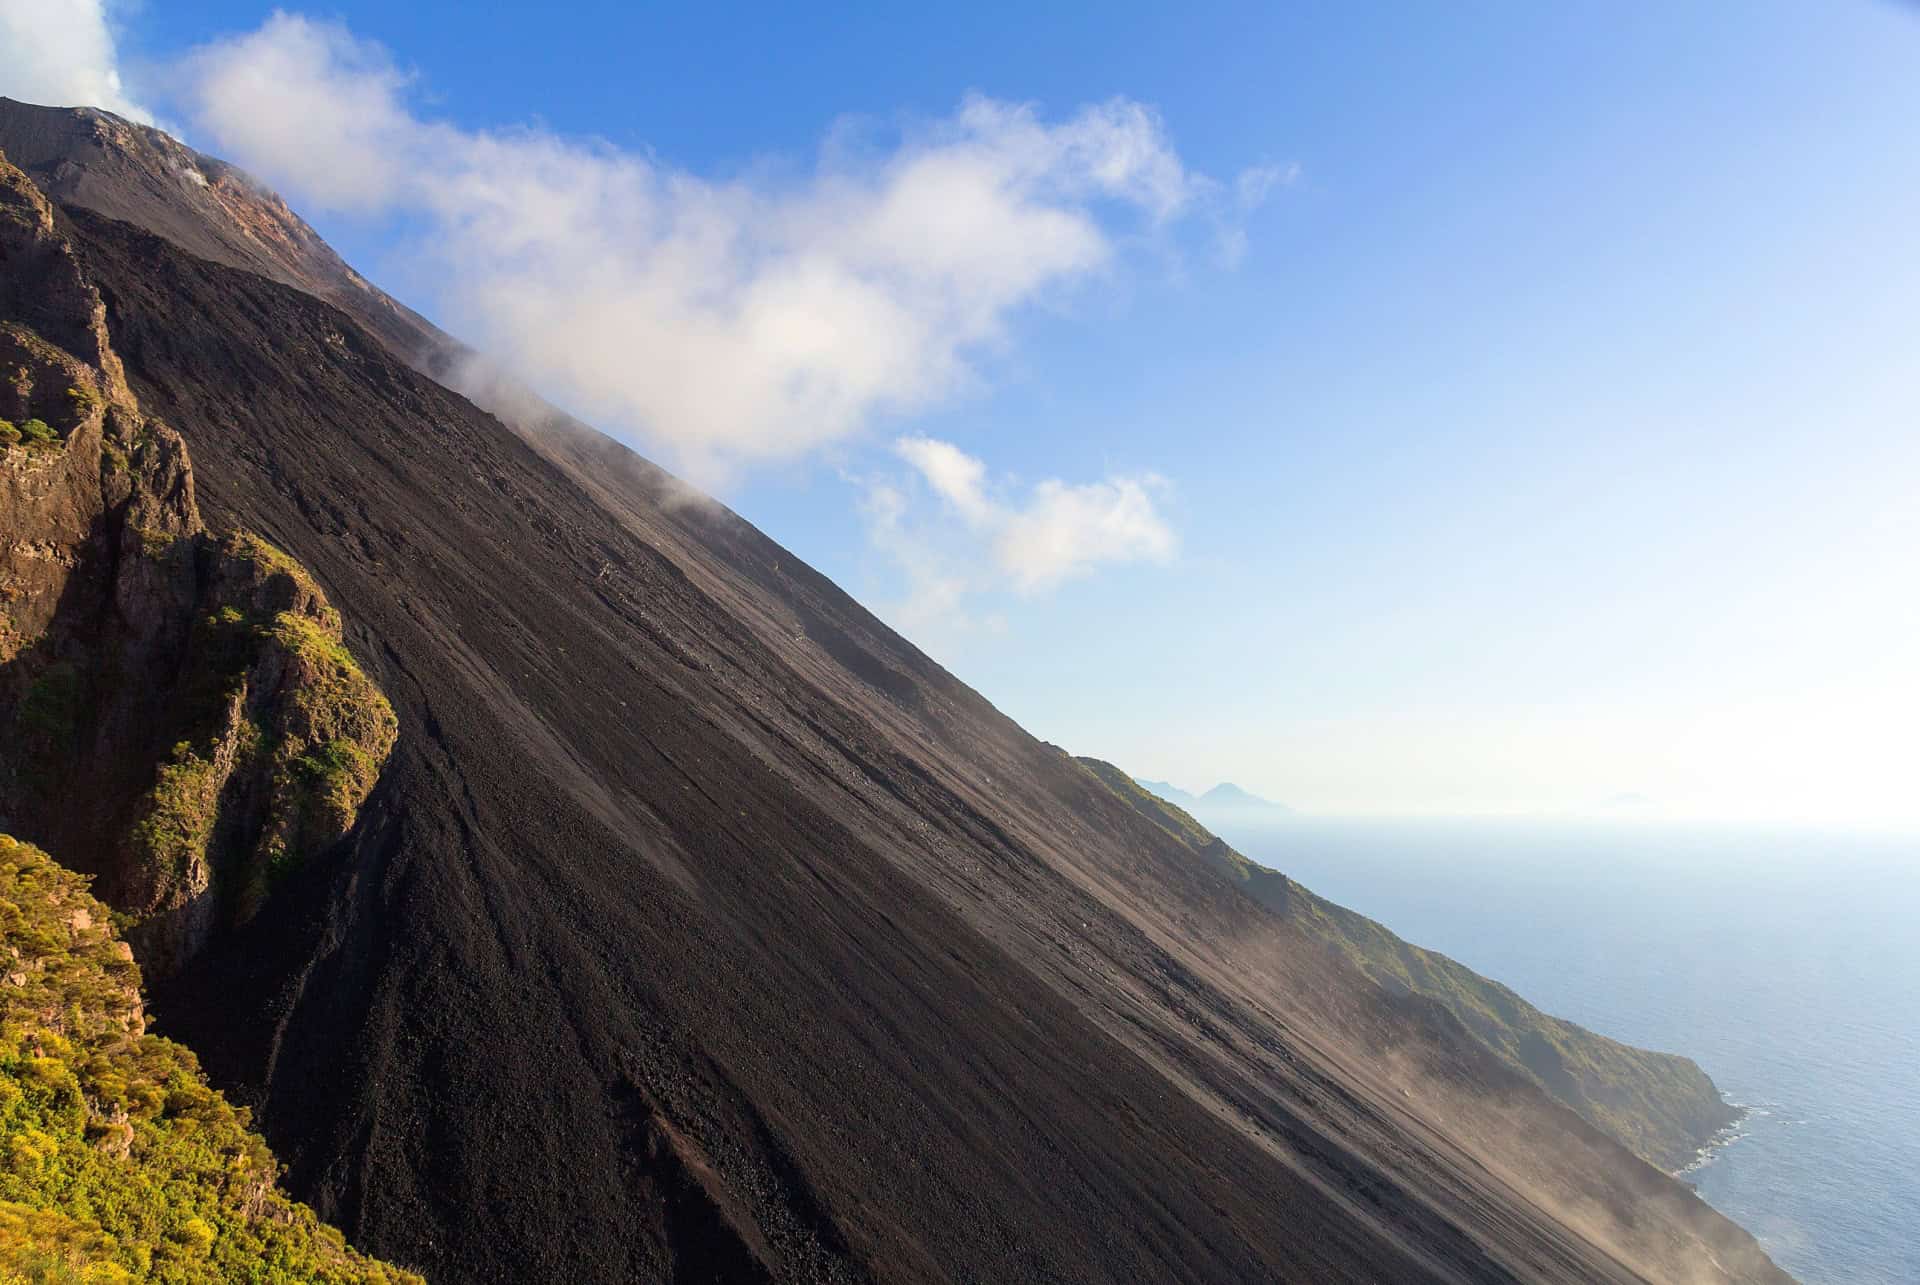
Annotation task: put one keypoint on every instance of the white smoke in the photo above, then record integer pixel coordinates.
(61, 53)
(723, 321)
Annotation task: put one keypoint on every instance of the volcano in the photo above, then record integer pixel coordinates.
(699, 927)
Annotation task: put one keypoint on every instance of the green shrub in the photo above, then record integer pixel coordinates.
(9, 434)
(117, 1160)
(177, 815)
(38, 433)
(154, 544)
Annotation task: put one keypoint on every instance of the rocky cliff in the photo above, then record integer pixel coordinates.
(188, 686)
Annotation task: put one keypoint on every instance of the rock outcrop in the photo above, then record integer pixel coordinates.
(181, 718)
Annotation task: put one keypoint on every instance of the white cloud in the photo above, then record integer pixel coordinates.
(724, 321)
(937, 584)
(1059, 531)
(955, 476)
(61, 53)
(986, 539)
(1067, 529)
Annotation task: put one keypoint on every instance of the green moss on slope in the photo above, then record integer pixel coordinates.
(117, 1161)
(177, 816)
(287, 736)
(331, 732)
(1660, 1106)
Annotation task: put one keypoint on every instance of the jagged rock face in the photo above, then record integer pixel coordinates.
(191, 688)
(65, 499)
(283, 737)
(92, 517)
(43, 290)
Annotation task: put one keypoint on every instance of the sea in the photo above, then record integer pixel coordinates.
(1787, 964)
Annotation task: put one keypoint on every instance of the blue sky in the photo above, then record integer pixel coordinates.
(1553, 435)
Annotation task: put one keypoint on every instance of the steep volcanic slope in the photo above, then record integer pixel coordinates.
(699, 925)
(1662, 1106)
(101, 162)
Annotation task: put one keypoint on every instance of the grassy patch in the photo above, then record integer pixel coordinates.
(335, 732)
(117, 1160)
(178, 814)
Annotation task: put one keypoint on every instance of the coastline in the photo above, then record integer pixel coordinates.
(1723, 1137)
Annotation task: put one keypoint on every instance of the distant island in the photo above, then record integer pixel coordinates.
(1220, 798)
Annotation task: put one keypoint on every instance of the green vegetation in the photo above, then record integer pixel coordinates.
(154, 544)
(177, 817)
(44, 1245)
(270, 561)
(332, 701)
(271, 558)
(37, 432)
(1660, 1106)
(117, 1161)
(285, 733)
(9, 433)
(334, 731)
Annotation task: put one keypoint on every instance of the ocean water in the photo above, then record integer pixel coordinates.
(1786, 964)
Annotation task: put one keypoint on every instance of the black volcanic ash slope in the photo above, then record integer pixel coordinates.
(700, 928)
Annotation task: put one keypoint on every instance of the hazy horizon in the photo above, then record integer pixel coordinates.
(1650, 817)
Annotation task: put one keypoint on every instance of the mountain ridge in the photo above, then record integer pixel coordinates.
(1222, 796)
(1168, 791)
(1228, 795)
(796, 943)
